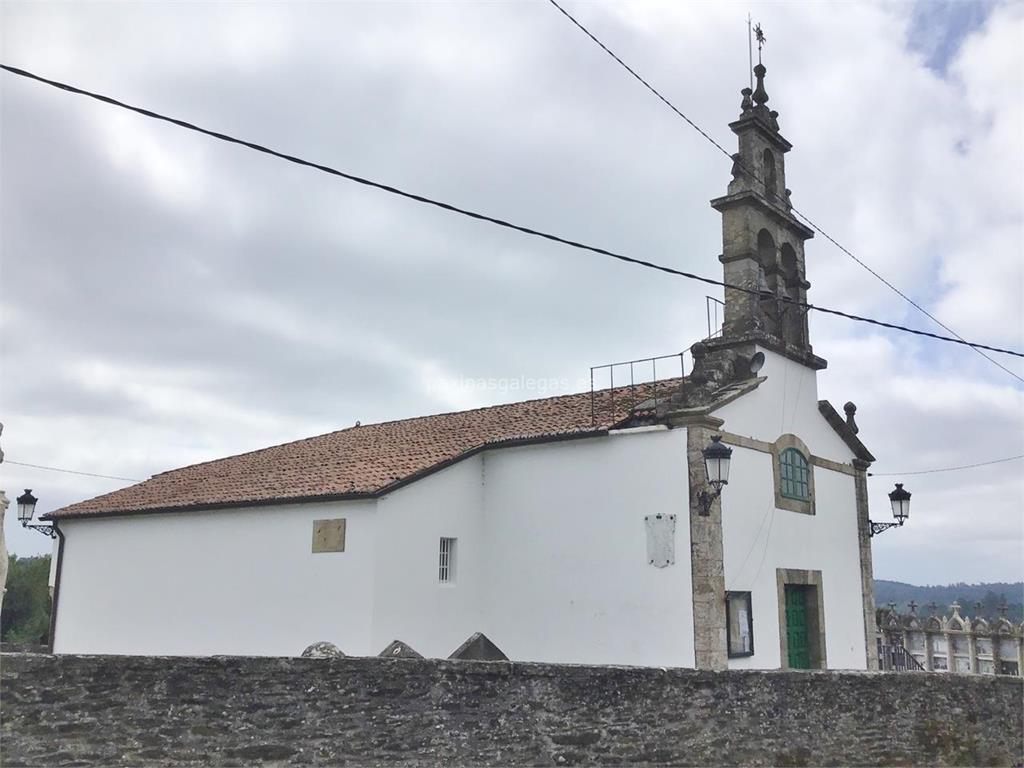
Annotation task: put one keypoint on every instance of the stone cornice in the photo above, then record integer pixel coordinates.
(753, 122)
(750, 197)
(775, 344)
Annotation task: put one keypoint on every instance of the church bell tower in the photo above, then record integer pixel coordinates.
(763, 251)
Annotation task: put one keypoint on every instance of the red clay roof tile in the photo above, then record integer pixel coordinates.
(365, 460)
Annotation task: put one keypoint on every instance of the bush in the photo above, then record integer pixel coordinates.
(26, 611)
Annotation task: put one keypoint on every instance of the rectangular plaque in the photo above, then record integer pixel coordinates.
(329, 535)
(661, 539)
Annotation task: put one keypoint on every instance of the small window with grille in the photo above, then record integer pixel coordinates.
(446, 560)
(794, 475)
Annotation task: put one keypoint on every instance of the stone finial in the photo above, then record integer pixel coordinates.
(787, 198)
(760, 94)
(955, 607)
(913, 608)
(323, 650)
(851, 411)
(773, 120)
(747, 103)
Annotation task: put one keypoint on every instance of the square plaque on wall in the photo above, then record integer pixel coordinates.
(329, 535)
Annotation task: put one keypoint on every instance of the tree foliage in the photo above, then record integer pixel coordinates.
(26, 610)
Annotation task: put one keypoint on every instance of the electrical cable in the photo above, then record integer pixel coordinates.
(71, 471)
(947, 469)
(764, 294)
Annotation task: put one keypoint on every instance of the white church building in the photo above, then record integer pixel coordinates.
(581, 528)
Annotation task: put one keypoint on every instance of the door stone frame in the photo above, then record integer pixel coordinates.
(815, 615)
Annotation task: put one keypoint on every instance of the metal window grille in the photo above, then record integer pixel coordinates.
(446, 561)
(795, 476)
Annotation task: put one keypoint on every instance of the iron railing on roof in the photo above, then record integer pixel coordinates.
(637, 388)
(716, 316)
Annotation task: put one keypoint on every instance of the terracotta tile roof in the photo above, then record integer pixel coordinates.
(366, 460)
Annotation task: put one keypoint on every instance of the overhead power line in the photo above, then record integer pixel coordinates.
(752, 173)
(71, 471)
(947, 469)
(491, 219)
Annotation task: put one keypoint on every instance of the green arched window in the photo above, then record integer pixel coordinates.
(795, 476)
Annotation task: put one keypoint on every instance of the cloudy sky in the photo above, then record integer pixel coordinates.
(169, 299)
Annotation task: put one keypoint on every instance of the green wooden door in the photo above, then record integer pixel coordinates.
(796, 627)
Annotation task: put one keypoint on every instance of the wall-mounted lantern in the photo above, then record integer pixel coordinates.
(899, 499)
(717, 458)
(27, 509)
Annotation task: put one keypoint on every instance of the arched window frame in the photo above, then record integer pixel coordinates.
(788, 500)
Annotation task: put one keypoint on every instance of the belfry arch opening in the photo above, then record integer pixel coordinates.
(789, 269)
(768, 279)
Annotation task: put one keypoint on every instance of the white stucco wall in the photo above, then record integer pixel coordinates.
(551, 564)
(569, 578)
(758, 538)
(409, 602)
(786, 402)
(200, 583)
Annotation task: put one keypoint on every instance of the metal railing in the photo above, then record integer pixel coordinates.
(638, 391)
(896, 658)
(715, 311)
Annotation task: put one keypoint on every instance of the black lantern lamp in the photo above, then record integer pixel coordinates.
(717, 458)
(27, 509)
(26, 506)
(899, 498)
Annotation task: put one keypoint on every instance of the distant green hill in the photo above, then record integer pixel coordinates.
(989, 595)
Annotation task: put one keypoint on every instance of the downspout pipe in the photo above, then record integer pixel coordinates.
(59, 535)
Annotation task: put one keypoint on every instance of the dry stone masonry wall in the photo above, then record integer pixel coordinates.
(232, 711)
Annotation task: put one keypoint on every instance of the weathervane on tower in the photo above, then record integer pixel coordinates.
(754, 32)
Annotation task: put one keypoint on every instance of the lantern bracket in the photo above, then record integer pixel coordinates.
(874, 528)
(705, 499)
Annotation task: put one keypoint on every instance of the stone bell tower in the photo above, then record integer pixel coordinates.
(763, 250)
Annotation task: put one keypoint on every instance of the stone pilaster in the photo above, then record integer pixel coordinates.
(867, 579)
(706, 555)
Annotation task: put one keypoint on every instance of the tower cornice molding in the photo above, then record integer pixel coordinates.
(749, 197)
(752, 122)
(802, 355)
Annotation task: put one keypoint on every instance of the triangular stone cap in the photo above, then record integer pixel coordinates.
(478, 648)
(396, 649)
